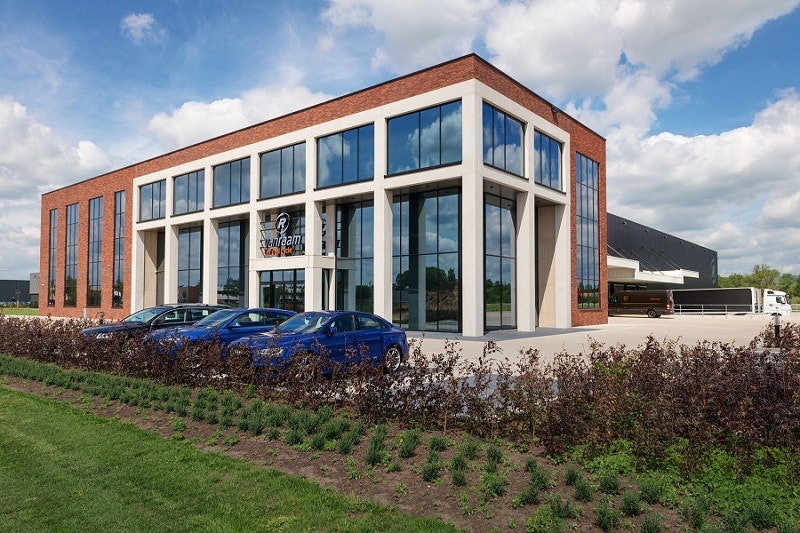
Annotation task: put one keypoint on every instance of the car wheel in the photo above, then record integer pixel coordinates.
(305, 367)
(652, 313)
(392, 359)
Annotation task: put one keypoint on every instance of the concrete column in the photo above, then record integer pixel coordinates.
(171, 264)
(383, 253)
(526, 260)
(472, 252)
(313, 247)
(253, 253)
(210, 260)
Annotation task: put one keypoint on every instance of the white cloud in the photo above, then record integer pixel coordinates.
(735, 192)
(33, 160)
(416, 32)
(140, 27)
(197, 121)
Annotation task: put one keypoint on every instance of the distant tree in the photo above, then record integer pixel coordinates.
(764, 277)
(785, 282)
(733, 280)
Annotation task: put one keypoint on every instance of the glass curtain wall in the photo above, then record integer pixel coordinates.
(93, 288)
(426, 260)
(232, 183)
(231, 271)
(425, 139)
(119, 249)
(283, 289)
(546, 161)
(189, 193)
(355, 279)
(71, 258)
(190, 265)
(502, 140)
(588, 233)
(51, 280)
(500, 236)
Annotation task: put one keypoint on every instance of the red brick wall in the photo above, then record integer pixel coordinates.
(452, 72)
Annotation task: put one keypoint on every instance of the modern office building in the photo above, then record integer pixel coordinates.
(452, 199)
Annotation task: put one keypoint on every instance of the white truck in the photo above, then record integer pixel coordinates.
(738, 300)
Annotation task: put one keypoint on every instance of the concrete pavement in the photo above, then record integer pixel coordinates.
(631, 331)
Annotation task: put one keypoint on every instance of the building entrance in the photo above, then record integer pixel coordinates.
(283, 289)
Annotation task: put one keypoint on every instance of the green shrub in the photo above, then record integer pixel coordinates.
(469, 449)
(458, 462)
(651, 489)
(631, 505)
(438, 443)
(543, 520)
(583, 491)
(562, 508)
(651, 524)
(493, 485)
(605, 517)
(459, 477)
(609, 483)
(409, 440)
(572, 476)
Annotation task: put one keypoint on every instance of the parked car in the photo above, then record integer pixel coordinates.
(223, 326)
(346, 337)
(153, 318)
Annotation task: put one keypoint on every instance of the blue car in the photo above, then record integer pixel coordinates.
(224, 326)
(346, 337)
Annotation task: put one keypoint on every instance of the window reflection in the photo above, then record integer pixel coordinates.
(190, 265)
(500, 262)
(232, 260)
(425, 139)
(71, 257)
(188, 193)
(232, 183)
(283, 171)
(426, 261)
(355, 281)
(502, 140)
(546, 161)
(346, 156)
(119, 249)
(588, 233)
(95, 276)
(152, 199)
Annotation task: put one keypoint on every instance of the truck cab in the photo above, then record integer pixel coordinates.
(776, 303)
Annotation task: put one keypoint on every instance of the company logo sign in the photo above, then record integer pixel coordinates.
(285, 243)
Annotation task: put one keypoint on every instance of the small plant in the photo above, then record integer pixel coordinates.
(409, 440)
(432, 467)
(376, 452)
(562, 508)
(531, 464)
(696, 512)
(178, 424)
(469, 449)
(393, 466)
(583, 491)
(605, 517)
(609, 483)
(352, 469)
(458, 462)
(651, 524)
(543, 520)
(528, 496)
(652, 490)
(231, 440)
(438, 443)
(465, 505)
(401, 488)
(631, 505)
(459, 477)
(572, 476)
(494, 454)
(760, 514)
(295, 436)
(493, 485)
(539, 478)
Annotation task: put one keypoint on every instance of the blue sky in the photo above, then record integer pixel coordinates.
(699, 101)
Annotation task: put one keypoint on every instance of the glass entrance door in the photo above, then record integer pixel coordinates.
(283, 289)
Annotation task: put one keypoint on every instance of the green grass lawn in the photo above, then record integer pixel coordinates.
(27, 311)
(65, 470)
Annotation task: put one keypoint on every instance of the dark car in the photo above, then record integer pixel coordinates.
(347, 337)
(153, 318)
(223, 326)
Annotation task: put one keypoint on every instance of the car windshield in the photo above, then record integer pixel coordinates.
(303, 323)
(217, 318)
(145, 316)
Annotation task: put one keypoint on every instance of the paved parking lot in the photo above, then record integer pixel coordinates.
(630, 331)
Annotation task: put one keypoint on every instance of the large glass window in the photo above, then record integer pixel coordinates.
(93, 288)
(231, 273)
(426, 260)
(232, 183)
(346, 156)
(71, 257)
(119, 249)
(355, 278)
(189, 193)
(588, 232)
(283, 289)
(546, 161)
(152, 200)
(425, 139)
(51, 280)
(502, 140)
(283, 171)
(500, 263)
(190, 265)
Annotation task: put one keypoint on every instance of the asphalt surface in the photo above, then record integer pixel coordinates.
(629, 331)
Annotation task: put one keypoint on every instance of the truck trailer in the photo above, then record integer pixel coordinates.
(736, 300)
